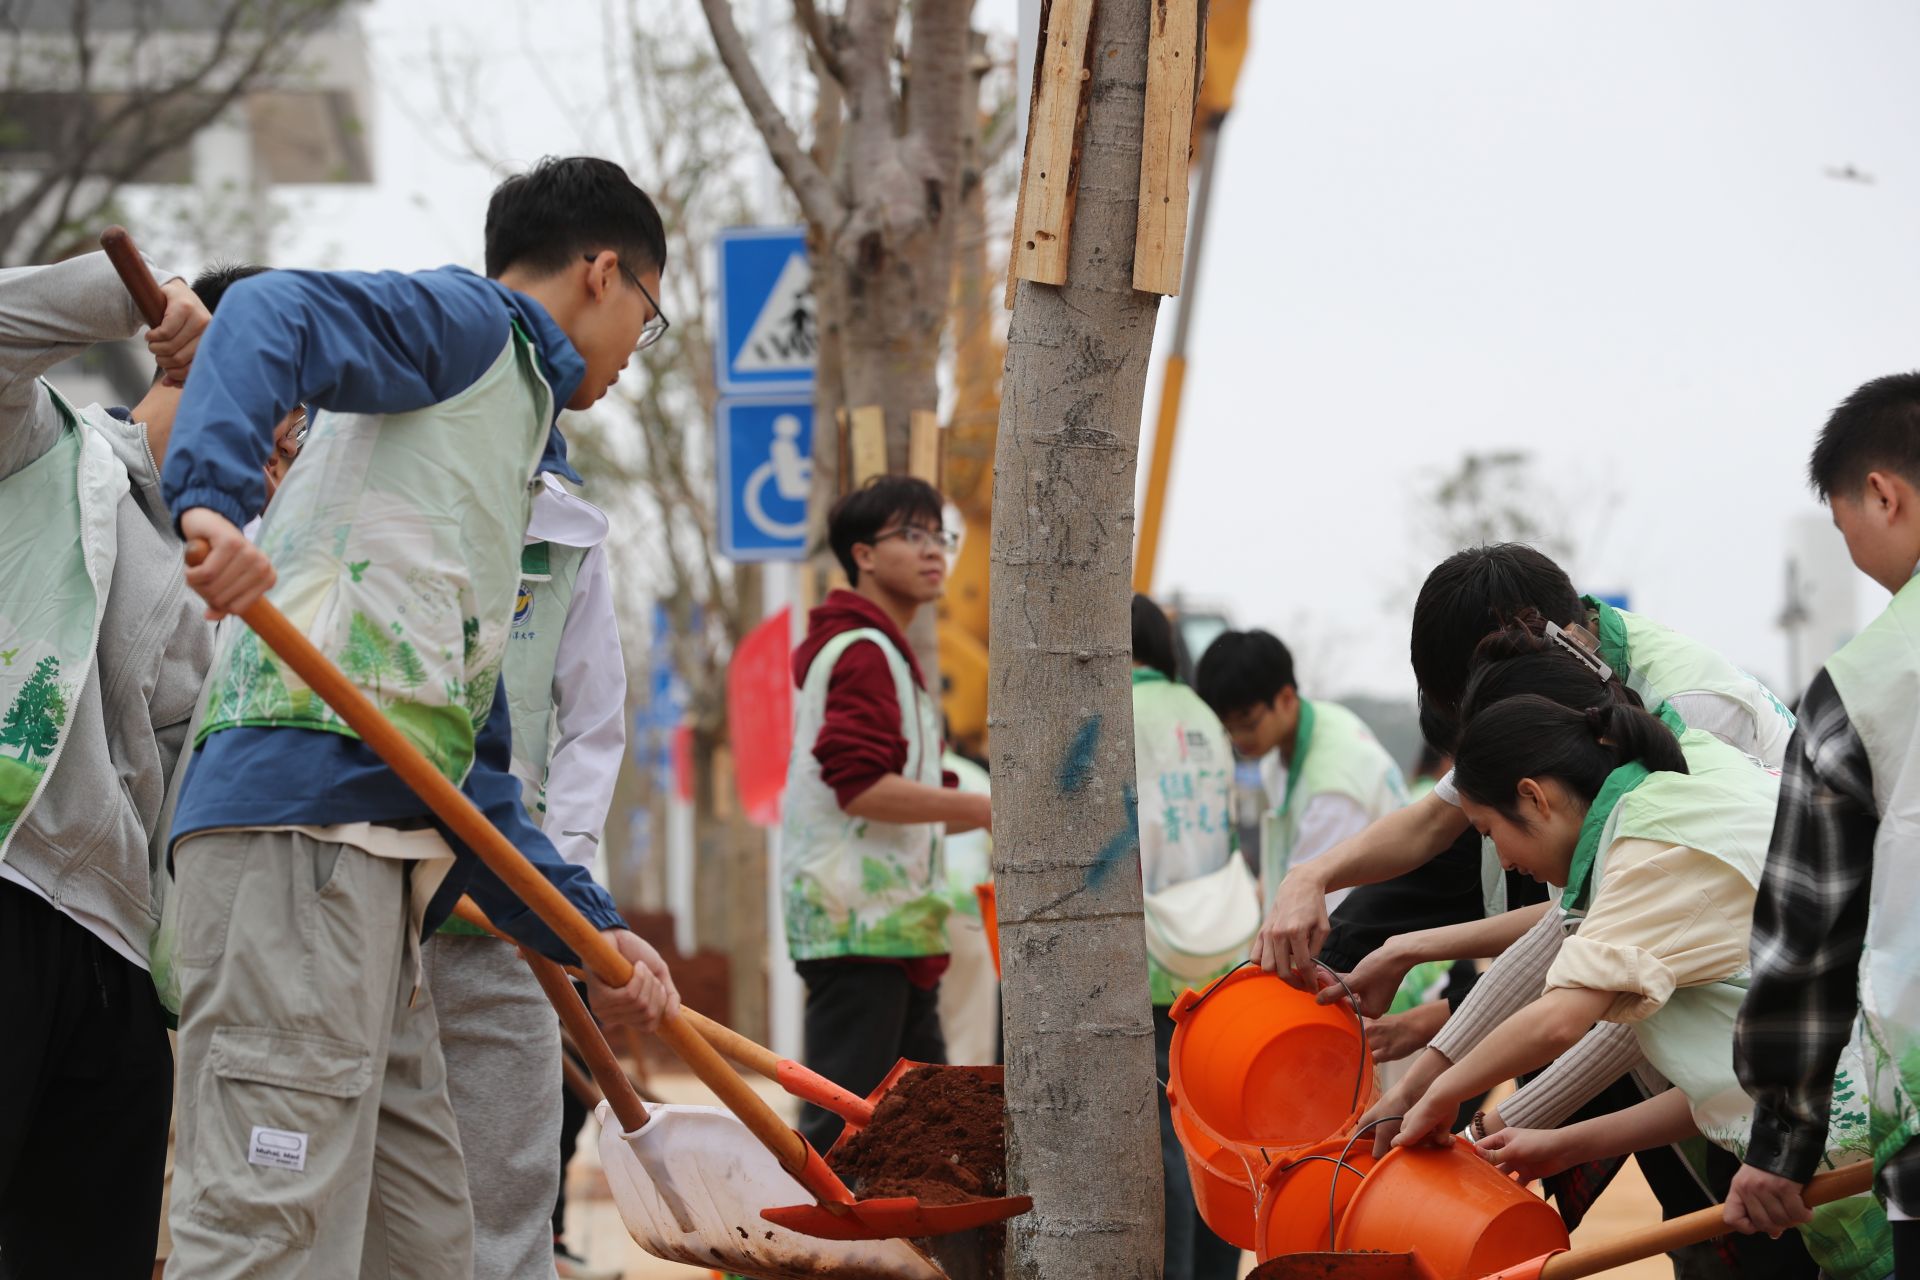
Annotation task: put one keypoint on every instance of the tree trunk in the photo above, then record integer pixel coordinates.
(1082, 1131)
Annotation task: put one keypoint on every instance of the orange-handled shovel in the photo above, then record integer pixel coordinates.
(1571, 1264)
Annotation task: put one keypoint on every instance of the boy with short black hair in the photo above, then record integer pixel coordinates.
(1326, 777)
(315, 1136)
(860, 860)
(1833, 934)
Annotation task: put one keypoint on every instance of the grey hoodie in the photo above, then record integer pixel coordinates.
(87, 843)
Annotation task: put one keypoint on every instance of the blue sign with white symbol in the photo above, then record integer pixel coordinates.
(764, 451)
(769, 330)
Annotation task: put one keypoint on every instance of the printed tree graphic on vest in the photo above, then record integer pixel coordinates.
(413, 672)
(39, 710)
(368, 656)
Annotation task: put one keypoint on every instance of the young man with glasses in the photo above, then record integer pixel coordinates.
(315, 1132)
(867, 801)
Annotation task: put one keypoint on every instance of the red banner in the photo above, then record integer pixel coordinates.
(760, 717)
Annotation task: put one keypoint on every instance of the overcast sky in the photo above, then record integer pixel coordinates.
(1603, 234)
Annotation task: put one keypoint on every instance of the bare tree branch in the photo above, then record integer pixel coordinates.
(811, 188)
(940, 60)
(819, 32)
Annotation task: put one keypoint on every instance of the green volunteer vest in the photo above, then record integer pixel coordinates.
(1659, 663)
(57, 550)
(852, 887)
(1183, 768)
(1723, 807)
(1877, 676)
(1333, 752)
(397, 545)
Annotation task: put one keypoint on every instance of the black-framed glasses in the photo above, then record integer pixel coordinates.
(919, 537)
(656, 324)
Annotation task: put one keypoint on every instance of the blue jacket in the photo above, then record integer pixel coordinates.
(356, 343)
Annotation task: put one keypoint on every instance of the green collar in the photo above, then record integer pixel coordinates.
(1147, 675)
(1302, 742)
(1612, 629)
(1580, 875)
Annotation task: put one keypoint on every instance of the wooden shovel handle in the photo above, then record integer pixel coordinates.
(600, 956)
(1692, 1228)
(134, 274)
(593, 1046)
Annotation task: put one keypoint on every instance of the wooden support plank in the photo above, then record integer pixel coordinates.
(923, 446)
(1050, 170)
(1166, 138)
(869, 439)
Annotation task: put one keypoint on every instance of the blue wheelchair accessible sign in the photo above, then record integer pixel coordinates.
(768, 331)
(764, 448)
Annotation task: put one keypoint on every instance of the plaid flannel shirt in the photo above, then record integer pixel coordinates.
(1809, 930)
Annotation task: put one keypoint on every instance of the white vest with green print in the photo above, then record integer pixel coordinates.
(1334, 752)
(548, 572)
(854, 887)
(1877, 676)
(1659, 663)
(1724, 808)
(58, 544)
(397, 546)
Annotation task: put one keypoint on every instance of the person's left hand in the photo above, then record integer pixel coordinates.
(1396, 1035)
(174, 340)
(1762, 1201)
(1428, 1121)
(649, 995)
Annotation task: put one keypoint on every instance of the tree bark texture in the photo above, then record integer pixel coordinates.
(1082, 1135)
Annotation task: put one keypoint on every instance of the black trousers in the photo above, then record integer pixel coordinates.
(1192, 1250)
(862, 1017)
(86, 1088)
(573, 1118)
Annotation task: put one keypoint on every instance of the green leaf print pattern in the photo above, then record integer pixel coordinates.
(33, 720)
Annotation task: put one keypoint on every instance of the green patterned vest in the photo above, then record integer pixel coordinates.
(854, 887)
(397, 544)
(57, 550)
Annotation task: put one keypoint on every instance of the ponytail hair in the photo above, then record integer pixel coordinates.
(1530, 736)
(1520, 658)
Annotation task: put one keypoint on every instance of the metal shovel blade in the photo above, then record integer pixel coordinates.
(903, 1217)
(1342, 1266)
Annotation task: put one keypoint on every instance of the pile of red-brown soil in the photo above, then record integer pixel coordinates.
(940, 1134)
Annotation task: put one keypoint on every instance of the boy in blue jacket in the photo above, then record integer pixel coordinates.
(315, 1133)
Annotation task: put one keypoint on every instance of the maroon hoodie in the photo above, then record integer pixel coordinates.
(860, 741)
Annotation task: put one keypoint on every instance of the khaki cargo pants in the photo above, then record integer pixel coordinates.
(315, 1136)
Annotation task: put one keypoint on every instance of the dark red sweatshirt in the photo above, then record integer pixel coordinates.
(860, 741)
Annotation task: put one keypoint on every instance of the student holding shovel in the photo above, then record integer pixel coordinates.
(1834, 940)
(316, 1137)
(102, 652)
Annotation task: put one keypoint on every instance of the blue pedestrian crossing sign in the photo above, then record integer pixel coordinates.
(764, 451)
(769, 330)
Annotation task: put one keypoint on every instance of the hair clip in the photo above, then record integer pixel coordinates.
(1564, 637)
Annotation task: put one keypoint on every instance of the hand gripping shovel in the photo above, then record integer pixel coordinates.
(902, 1216)
(835, 1215)
(1590, 1260)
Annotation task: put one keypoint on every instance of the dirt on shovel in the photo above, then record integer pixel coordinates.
(938, 1135)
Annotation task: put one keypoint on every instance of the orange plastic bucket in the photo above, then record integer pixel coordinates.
(1466, 1218)
(1260, 1066)
(1222, 1189)
(990, 917)
(1293, 1215)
